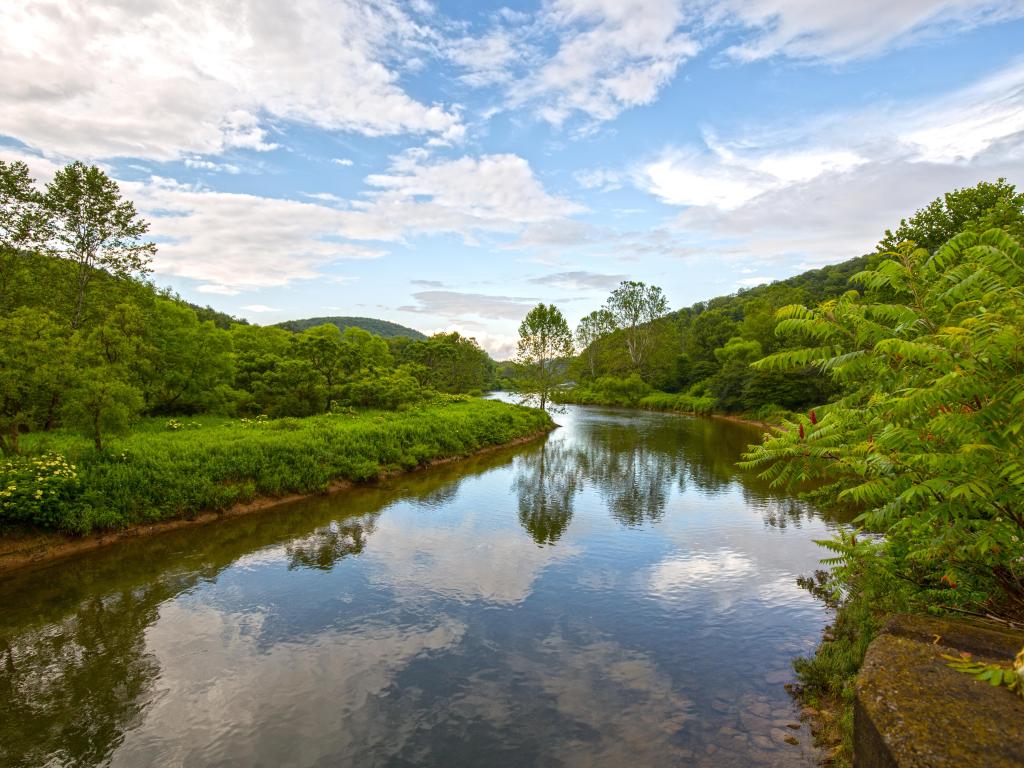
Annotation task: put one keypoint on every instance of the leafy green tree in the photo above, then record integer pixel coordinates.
(92, 227)
(32, 359)
(928, 435)
(590, 331)
(709, 331)
(22, 224)
(322, 347)
(451, 362)
(635, 308)
(729, 384)
(364, 351)
(545, 341)
(185, 365)
(985, 206)
(103, 398)
(384, 389)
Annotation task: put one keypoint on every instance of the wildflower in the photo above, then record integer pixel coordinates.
(813, 417)
(801, 431)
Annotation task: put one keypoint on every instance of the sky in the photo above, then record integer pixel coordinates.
(448, 165)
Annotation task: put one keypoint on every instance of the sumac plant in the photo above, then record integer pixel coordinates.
(926, 438)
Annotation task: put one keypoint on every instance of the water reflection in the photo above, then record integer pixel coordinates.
(589, 600)
(328, 544)
(546, 481)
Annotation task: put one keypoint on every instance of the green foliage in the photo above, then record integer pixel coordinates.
(90, 225)
(933, 380)
(986, 206)
(993, 674)
(155, 473)
(447, 362)
(544, 342)
(38, 490)
(607, 390)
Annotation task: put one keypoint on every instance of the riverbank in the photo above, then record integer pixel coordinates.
(682, 404)
(173, 474)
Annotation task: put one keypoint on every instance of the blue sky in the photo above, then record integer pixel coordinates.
(446, 165)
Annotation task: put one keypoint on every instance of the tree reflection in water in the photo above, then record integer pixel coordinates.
(546, 480)
(323, 548)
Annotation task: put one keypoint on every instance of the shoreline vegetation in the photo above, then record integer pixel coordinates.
(893, 380)
(677, 403)
(159, 478)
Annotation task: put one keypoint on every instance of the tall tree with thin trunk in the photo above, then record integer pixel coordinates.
(589, 332)
(22, 223)
(636, 307)
(544, 342)
(95, 229)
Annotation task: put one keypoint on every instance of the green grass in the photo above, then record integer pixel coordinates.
(158, 472)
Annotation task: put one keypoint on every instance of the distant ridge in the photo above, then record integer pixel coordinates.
(383, 328)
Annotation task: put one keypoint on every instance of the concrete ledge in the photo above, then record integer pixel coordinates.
(912, 711)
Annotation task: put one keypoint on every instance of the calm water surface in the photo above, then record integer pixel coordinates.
(615, 596)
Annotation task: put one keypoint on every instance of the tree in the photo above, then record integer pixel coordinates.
(186, 365)
(31, 359)
(985, 206)
(104, 398)
(635, 308)
(544, 342)
(589, 332)
(22, 224)
(94, 229)
(322, 348)
(928, 436)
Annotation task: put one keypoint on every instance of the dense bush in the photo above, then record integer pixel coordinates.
(156, 473)
(606, 390)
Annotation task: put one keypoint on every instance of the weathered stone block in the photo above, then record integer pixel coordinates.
(913, 711)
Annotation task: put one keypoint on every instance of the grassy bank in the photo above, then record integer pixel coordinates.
(668, 402)
(165, 469)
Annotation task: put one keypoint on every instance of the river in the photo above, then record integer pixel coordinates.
(615, 595)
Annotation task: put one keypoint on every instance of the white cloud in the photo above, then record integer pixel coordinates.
(613, 55)
(487, 59)
(457, 305)
(168, 77)
(209, 165)
(579, 280)
(726, 179)
(826, 190)
(260, 308)
(492, 192)
(341, 161)
(750, 282)
(811, 29)
(609, 56)
(598, 178)
(236, 241)
(221, 290)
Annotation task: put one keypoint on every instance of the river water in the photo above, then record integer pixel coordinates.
(617, 595)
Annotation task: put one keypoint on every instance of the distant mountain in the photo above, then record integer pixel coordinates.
(373, 325)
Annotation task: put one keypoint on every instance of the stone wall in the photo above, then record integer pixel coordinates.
(913, 711)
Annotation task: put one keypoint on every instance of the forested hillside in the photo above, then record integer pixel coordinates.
(90, 344)
(633, 351)
(92, 350)
(383, 328)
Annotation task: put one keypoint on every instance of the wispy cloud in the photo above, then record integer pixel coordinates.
(458, 305)
(578, 280)
(825, 190)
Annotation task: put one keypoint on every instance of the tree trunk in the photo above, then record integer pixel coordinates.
(51, 413)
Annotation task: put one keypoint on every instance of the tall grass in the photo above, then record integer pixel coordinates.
(166, 469)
